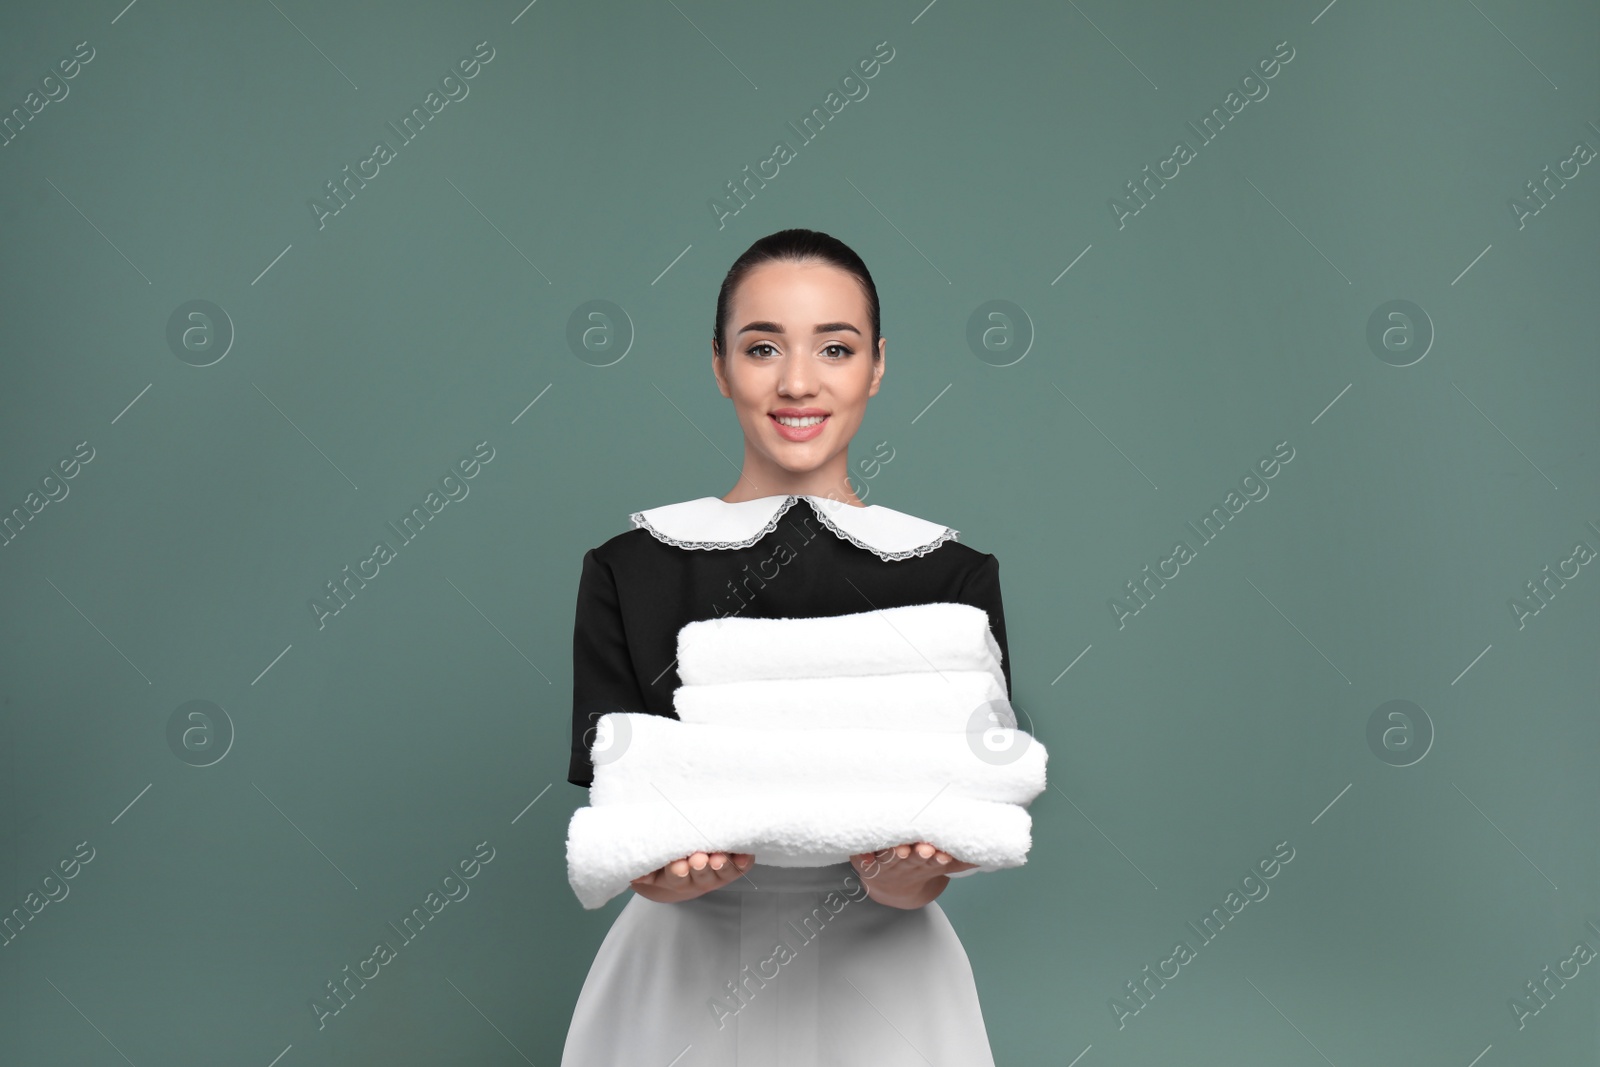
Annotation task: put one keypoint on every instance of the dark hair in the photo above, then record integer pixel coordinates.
(796, 246)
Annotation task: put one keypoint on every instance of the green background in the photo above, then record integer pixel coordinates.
(365, 758)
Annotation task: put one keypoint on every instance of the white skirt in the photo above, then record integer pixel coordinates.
(782, 967)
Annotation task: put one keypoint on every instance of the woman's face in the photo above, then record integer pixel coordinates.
(799, 344)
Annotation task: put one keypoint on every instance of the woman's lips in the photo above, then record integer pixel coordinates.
(799, 433)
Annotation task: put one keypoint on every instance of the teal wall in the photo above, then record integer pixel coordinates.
(1354, 272)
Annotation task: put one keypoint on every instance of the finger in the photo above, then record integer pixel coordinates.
(925, 850)
(685, 866)
(712, 874)
(738, 863)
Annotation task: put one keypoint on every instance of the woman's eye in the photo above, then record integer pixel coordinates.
(843, 351)
(756, 349)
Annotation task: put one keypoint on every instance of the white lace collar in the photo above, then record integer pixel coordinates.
(711, 522)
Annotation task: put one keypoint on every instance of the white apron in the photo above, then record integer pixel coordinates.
(782, 967)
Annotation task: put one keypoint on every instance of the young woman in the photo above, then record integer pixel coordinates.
(716, 961)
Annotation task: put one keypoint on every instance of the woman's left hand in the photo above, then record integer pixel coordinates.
(907, 876)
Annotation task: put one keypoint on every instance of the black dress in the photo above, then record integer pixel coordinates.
(730, 978)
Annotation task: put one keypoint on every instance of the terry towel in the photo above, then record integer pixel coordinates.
(801, 742)
(952, 701)
(919, 637)
(663, 760)
(608, 847)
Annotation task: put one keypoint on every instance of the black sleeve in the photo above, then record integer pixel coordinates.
(982, 589)
(602, 670)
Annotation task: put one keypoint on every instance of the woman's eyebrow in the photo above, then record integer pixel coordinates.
(825, 327)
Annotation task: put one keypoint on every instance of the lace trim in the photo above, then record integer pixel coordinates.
(640, 521)
(921, 550)
(948, 534)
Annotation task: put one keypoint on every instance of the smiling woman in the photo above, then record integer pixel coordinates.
(796, 348)
(798, 372)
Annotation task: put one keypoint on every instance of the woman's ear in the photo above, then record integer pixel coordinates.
(717, 372)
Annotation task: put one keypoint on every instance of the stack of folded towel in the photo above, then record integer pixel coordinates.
(807, 741)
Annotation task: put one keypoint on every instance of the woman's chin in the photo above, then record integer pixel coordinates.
(803, 455)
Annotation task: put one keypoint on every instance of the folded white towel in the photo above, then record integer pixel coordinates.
(608, 847)
(663, 760)
(918, 637)
(953, 701)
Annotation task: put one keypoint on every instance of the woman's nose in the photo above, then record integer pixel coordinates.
(799, 376)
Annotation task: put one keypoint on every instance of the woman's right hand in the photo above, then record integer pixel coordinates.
(694, 875)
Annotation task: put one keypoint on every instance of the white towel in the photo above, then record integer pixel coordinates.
(952, 701)
(662, 759)
(817, 739)
(918, 637)
(608, 847)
